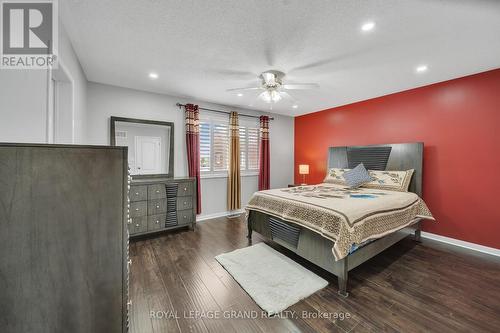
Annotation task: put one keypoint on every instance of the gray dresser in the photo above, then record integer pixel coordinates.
(158, 204)
(63, 241)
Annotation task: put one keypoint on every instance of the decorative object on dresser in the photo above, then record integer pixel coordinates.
(159, 204)
(63, 241)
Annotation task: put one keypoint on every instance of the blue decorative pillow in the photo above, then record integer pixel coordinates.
(357, 176)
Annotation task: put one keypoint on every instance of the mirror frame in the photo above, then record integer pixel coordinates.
(170, 173)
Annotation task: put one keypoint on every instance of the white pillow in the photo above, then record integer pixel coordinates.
(382, 180)
(335, 176)
(390, 180)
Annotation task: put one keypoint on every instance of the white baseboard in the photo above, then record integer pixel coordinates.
(439, 238)
(216, 215)
(460, 243)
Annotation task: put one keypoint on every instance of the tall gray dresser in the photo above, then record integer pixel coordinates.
(63, 244)
(159, 204)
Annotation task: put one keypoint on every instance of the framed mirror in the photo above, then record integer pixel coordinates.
(150, 145)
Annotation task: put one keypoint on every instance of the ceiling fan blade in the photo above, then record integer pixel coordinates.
(300, 86)
(288, 96)
(233, 73)
(265, 96)
(269, 78)
(247, 88)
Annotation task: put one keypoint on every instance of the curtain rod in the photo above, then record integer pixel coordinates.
(221, 111)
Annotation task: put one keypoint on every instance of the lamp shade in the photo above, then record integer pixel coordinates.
(303, 169)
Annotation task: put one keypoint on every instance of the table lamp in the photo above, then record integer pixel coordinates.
(303, 170)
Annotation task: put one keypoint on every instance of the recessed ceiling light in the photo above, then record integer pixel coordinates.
(153, 76)
(295, 106)
(368, 26)
(239, 94)
(421, 68)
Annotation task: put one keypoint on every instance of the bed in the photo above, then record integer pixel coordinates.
(338, 228)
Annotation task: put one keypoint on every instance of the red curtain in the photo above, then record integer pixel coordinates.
(193, 148)
(264, 154)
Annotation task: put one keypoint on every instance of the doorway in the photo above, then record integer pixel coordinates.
(148, 154)
(60, 108)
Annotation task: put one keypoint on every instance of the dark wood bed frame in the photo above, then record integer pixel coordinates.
(318, 249)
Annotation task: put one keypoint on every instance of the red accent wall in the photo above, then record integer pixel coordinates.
(459, 123)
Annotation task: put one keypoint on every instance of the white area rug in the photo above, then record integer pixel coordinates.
(273, 280)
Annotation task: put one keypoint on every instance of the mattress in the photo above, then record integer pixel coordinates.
(345, 216)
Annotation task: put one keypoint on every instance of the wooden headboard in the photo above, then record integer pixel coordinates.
(395, 156)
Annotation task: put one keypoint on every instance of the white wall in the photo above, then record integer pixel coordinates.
(75, 71)
(24, 99)
(24, 110)
(105, 101)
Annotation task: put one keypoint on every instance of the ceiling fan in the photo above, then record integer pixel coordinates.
(274, 89)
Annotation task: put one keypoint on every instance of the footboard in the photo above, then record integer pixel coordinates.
(318, 249)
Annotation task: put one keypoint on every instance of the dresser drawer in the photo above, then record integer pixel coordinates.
(138, 193)
(157, 191)
(157, 206)
(185, 189)
(184, 203)
(139, 208)
(156, 222)
(185, 216)
(138, 225)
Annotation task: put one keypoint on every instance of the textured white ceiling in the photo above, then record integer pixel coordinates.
(201, 48)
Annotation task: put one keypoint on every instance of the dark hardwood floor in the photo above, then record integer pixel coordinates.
(411, 287)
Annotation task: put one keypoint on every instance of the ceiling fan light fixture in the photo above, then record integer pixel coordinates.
(368, 26)
(273, 89)
(265, 96)
(275, 96)
(270, 96)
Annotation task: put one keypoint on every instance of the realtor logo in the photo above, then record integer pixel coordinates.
(29, 34)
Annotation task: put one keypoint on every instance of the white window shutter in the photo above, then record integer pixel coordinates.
(205, 144)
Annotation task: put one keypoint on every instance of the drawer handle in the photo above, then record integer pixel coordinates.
(137, 209)
(157, 221)
(157, 206)
(136, 193)
(129, 221)
(137, 225)
(185, 216)
(185, 189)
(185, 203)
(157, 191)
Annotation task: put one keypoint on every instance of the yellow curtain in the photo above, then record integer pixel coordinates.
(234, 181)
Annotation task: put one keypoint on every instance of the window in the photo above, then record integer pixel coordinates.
(214, 145)
(249, 148)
